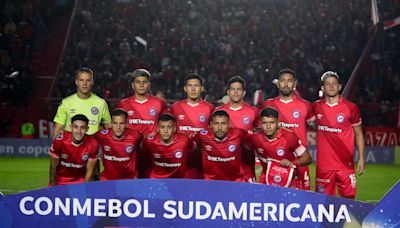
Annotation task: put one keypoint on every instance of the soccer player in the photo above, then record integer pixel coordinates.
(193, 113)
(280, 144)
(143, 109)
(120, 148)
(221, 149)
(242, 115)
(169, 151)
(73, 155)
(294, 113)
(338, 122)
(83, 102)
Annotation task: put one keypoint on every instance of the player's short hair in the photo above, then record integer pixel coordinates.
(269, 112)
(84, 70)
(239, 79)
(139, 73)
(287, 71)
(193, 76)
(166, 117)
(329, 74)
(80, 117)
(219, 113)
(119, 112)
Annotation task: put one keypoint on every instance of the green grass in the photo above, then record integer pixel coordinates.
(24, 174)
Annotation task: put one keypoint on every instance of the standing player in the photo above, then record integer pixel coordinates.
(120, 148)
(169, 151)
(338, 122)
(294, 113)
(73, 155)
(243, 116)
(278, 143)
(193, 113)
(221, 149)
(143, 109)
(82, 102)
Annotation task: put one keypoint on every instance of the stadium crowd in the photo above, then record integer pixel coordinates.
(216, 39)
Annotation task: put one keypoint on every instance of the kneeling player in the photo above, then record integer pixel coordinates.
(119, 146)
(73, 155)
(169, 151)
(274, 143)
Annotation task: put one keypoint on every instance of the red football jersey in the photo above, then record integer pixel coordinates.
(221, 159)
(168, 161)
(119, 155)
(191, 118)
(71, 168)
(286, 145)
(293, 114)
(143, 115)
(245, 117)
(335, 134)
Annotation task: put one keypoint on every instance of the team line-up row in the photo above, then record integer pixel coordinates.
(192, 139)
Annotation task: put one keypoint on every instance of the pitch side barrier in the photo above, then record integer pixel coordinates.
(188, 203)
(40, 148)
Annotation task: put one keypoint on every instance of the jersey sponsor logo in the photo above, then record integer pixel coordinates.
(220, 159)
(232, 148)
(190, 128)
(64, 156)
(203, 132)
(320, 188)
(104, 131)
(277, 179)
(129, 149)
(117, 159)
(152, 111)
(340, 118)
(246, 120)
(202, 118)
(85, 157)
(150, 136)
(131, 112)
(181, 117)
(280, 152)
(288, 125)
(140, 121)
(71, 165)
(168, 165)
(329, 129)
(296, 114)
(92, 122)
(94, 110)
(178, 154)
(60, 136)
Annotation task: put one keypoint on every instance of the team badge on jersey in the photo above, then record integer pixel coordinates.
(60, 136)
(246, 120)
(129, 149)
(340, 118)
(178, 154)
(203, 132)
(277, 179)
(232, 148)
(104, 131)
(85, 157)
(94, 110)
(280, 152)
(152, 112)
(296, 114)
(202, 118)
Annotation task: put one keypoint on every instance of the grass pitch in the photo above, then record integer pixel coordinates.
(24, 174)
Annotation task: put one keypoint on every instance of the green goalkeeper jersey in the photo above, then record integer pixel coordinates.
(94, 108)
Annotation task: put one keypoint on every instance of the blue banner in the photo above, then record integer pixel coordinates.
(177, 203)
(25, 147)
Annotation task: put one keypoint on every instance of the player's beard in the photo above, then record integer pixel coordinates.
(286, 91)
